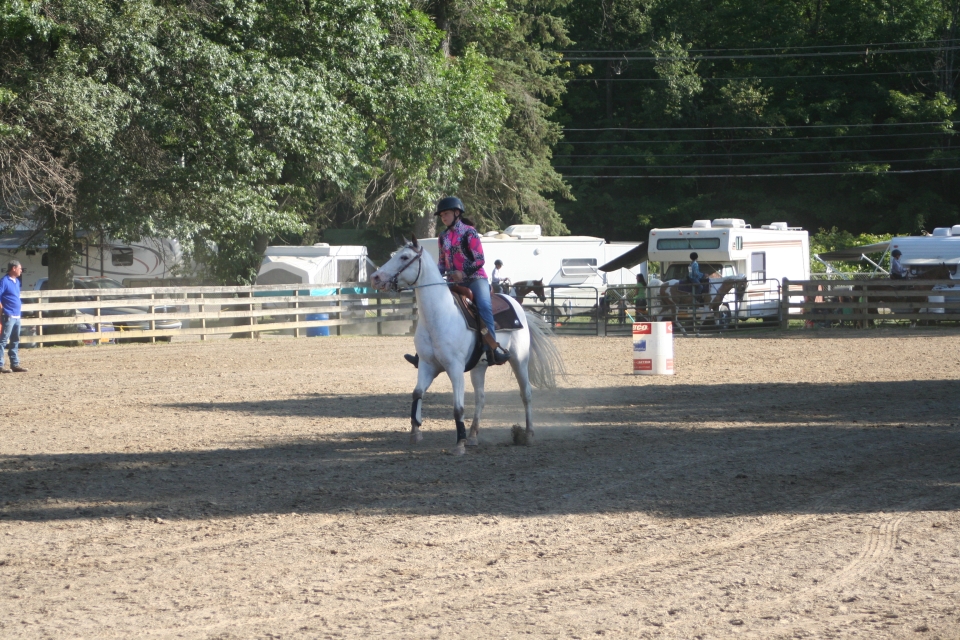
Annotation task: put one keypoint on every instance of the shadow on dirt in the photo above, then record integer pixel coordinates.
(737, 450)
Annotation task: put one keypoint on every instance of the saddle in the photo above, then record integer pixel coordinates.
(504, 319)
(504, 315)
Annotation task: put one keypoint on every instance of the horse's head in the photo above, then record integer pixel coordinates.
(399, 271)
(538, 290)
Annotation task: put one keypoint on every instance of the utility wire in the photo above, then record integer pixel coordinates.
(799, 77)
(793, 139)
(865, 52)
(786, 126)
(748, 164)
(775, 175)
(811, 46)
(721, 154)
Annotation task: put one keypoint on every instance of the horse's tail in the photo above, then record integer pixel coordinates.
(545, 362)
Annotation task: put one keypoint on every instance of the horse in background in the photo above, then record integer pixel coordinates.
(665, 299)
(900, 303)
(525, 287)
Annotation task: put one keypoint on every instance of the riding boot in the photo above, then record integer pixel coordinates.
(497, 356)
(412, 359)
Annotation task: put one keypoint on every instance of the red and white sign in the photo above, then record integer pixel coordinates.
(642, 328)
(642, 365)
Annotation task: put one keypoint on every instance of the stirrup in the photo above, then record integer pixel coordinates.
(412, 359)
(497, 356)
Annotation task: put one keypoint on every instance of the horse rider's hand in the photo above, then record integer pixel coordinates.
(455, 276)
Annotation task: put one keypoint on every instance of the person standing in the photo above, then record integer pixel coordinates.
(897, 270)
(10, 317)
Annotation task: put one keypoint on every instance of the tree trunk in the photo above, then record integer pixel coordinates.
(426, 226)
(61, 252)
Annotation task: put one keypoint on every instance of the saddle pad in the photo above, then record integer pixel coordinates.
(504, 315)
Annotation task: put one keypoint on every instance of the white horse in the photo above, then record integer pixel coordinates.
(444, 343)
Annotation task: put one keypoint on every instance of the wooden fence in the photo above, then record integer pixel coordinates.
(862, 301)
(151, 313)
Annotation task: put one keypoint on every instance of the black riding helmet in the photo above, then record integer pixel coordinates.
(450, 202)
(694, 256)
(896, 253)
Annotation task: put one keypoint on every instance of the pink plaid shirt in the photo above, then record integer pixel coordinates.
(461, 250)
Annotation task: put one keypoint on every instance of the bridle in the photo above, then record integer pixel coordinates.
(395, 280)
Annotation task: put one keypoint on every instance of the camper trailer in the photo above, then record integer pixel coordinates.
(147, 259)
(317, 264)
(730, 247)
(570, 264)
(921, 252)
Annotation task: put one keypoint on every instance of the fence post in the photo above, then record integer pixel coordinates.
(99, 328)
(203, 321)
(40, 326)
(253, 320)
(865, 303)
(296, 316)
(601, 314)
(785, 304)
(153, 322)
(379, 313)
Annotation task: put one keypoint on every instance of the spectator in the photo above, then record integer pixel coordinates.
(499, 279)
(10, 317)
(897, 270)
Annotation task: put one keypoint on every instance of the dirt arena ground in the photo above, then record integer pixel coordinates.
(776, 487)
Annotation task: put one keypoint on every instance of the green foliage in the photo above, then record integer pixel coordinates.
(835, 239)
(753, 73)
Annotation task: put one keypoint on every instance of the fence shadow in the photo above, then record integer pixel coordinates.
(736, 450)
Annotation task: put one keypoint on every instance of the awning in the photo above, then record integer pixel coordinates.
(854, 253)
(630, 259)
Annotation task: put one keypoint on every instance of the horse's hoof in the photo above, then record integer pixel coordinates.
(473, 441)
(521, 436)
(415, 437)
(460, 449)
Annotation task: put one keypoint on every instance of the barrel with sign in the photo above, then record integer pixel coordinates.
(653, 348)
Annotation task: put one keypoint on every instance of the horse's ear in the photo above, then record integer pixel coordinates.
(413, 241)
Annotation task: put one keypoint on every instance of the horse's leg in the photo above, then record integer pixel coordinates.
(426, 373)
(520, 370)
(459, 387)
(477, 377)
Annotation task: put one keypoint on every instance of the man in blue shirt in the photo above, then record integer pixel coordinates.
(10, 317)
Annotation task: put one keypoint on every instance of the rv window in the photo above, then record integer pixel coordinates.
(667, 244)
(122, 257)
(348, 271)
(578, 266)
(758, 266)
(704, 243)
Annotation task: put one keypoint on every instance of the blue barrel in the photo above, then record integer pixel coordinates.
(313, 332)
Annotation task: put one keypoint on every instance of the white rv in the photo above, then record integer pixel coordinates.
(919, 252)
(569, 263)
(149, 258)
(730, 247)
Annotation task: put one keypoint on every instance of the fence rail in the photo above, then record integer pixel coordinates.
(151, 313)
(863, 301)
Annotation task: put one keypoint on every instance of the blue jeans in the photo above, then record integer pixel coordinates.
(481, 298)
(10, 335)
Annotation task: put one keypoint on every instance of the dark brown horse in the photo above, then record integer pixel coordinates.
(893, 294)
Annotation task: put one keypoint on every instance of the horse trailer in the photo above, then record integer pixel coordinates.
(728, 248)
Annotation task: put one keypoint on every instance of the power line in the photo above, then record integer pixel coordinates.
(775, 175)
(786, 126)
(799, 77)
(748, 164)
(793, 139)
(865, 52)
(811, 46)
(743, 153)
